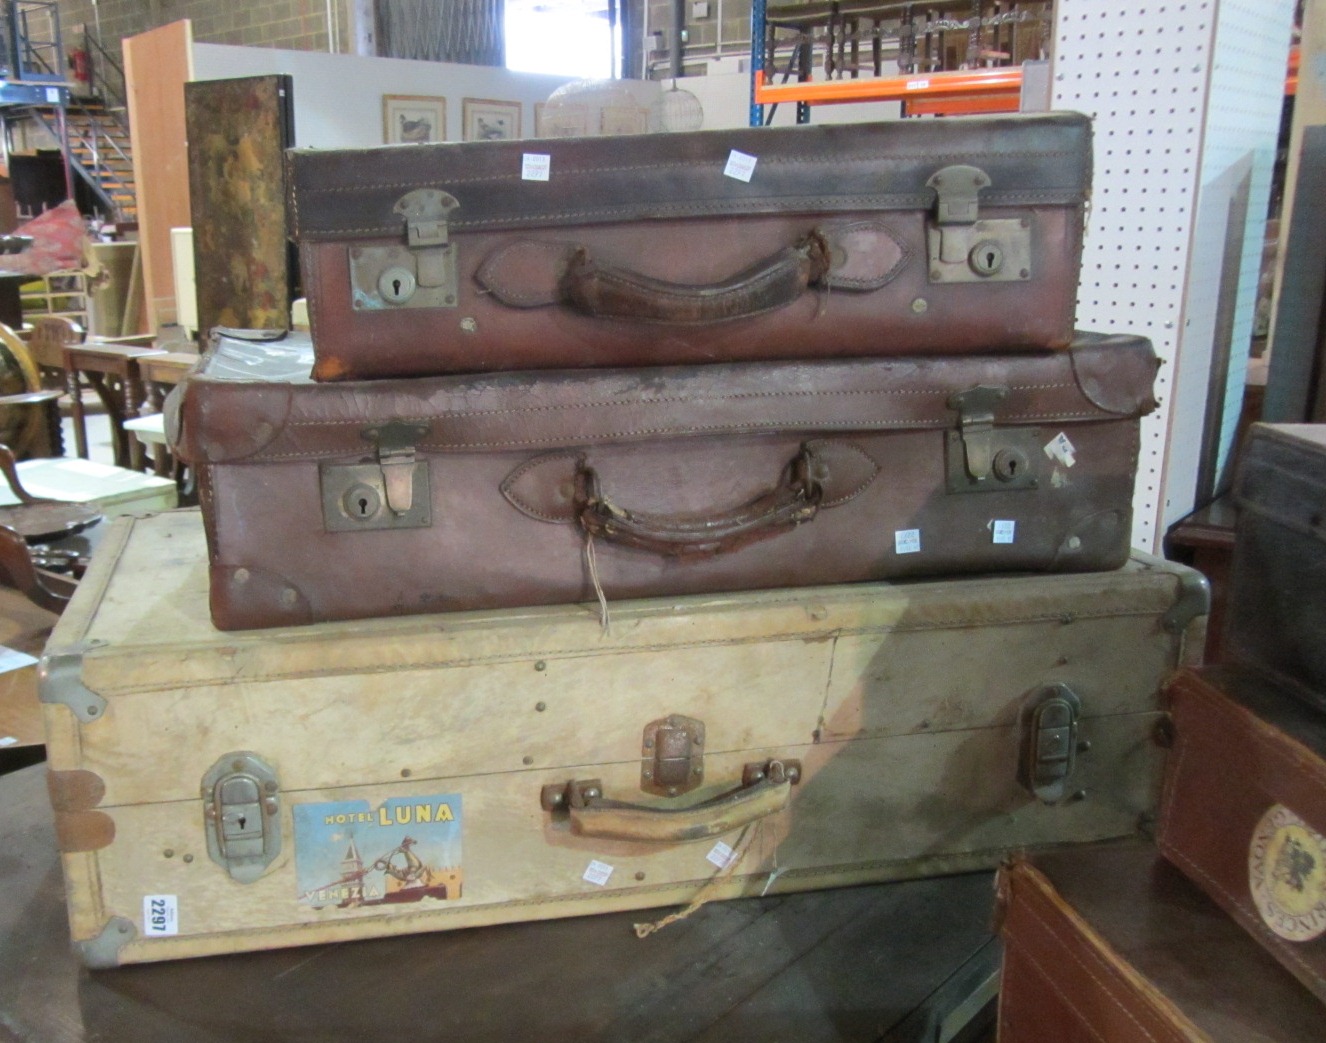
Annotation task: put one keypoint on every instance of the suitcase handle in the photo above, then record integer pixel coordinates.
(606, 291)
(796, 499)
(763, 792)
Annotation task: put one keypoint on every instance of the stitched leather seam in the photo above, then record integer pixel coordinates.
(693, 400)
(710, 208)
(857, 450)
(1099, 961)
(752, 427)
(508, 483)
(494, 270)
(1048, 979)
(834, 160)
(683, 293)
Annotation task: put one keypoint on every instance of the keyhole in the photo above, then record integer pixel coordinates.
(363, 506)
(1012, 468)
(396, 287)
(243, 819)
(989, 261)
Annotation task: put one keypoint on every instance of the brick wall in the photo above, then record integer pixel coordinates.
(297, 25)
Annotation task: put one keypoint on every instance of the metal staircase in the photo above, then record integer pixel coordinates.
(93, 133)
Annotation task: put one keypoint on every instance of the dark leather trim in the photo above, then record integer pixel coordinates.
(1031, 160)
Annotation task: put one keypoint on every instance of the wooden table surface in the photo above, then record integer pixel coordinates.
(849, 964)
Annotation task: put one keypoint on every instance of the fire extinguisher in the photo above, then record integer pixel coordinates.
(78, 62)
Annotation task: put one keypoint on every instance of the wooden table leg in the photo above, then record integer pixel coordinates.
(76, 411)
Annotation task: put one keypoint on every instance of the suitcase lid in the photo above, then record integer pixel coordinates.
(1283, 476)
(241, 403)
(344, 194)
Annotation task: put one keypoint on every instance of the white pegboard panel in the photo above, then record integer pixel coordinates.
(1150, 73)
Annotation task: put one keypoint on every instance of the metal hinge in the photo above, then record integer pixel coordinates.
(241, 815)
(964, 248)
(421, 273)
(393, 493)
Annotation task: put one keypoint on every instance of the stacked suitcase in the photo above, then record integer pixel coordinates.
(1242, 817)
(617, 451)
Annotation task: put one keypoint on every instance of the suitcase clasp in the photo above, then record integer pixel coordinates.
(419, 274)
(964, 248)
(672, 755)
(1050, 742)
(393, 493)
(981, 457)
(241, 815)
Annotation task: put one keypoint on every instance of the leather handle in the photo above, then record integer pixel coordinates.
(795, 499)
(593, 815)
(605, 291)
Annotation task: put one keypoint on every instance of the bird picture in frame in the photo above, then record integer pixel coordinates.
(413, 119)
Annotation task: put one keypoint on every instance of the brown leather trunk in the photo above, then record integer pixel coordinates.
(1111, 945)
(949, 236)
(1244, 810)
(1277, 604)
(333, 501)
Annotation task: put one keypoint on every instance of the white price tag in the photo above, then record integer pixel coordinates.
(1061, 449)
(917, 85)
(8, 740)
(721, 855)
(161, 915)
(53, 95)
(535, 166)
(907, 541)
(739, 166)
(1003, 530)
(598, 873)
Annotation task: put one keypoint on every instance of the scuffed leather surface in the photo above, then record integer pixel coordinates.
(674, 442)
(664, 209)
(1109, 377)
(227, 419)
(337, 194)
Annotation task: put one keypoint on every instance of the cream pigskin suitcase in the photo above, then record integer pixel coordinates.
(217, 792)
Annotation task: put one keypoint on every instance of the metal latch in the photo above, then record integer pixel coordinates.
(1050, 742)
(964, 248)
(393, 493)
(982, 457)
(672, 755)
(421, 273)
(241, 815)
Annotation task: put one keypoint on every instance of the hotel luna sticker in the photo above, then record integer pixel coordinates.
(353, 853)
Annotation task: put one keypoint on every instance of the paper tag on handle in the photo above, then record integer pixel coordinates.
(721, 855)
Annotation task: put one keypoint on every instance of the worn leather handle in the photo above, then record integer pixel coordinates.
(606, 291)
(593, 815)
(794, 500)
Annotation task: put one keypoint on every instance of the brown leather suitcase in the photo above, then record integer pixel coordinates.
(333, 501)
(1277, 596)
(1111, 945)
(909, 236)
(1243, 811)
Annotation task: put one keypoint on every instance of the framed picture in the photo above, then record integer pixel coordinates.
(485, 120)
(413, 119)
(624, 119)
(560, 121)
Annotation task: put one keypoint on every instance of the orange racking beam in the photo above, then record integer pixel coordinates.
(963, 83)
